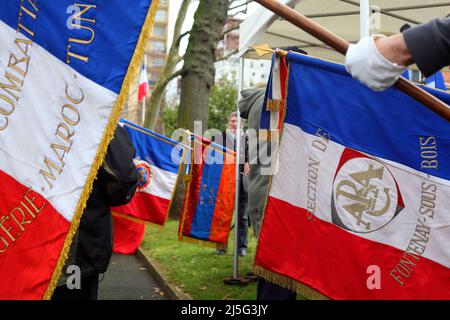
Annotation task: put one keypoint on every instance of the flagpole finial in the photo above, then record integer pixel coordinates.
(262, 50)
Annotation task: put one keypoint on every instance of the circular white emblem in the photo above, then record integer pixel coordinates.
(365, 196)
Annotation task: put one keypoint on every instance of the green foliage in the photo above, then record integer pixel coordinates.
(222, 102)
(170, 119)
(197, 270)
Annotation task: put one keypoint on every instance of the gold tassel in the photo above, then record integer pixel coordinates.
(281, 53)
(269, 135)
(133, 69)
(137, 220)
(289, 284)
(275, 105)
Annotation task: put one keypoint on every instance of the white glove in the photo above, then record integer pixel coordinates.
(366, 64)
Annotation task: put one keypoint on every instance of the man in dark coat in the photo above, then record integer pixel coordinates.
(379, 61)
(92, 246)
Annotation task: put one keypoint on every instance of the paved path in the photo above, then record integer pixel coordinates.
(127, 278)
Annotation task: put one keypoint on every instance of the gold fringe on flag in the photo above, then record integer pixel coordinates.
(133, 69)
(269, 135)
(203, 243)
(177, 181)
(137, 220)
(187, 179)
(289, 284)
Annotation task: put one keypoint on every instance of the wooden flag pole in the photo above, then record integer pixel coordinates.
(342, 45)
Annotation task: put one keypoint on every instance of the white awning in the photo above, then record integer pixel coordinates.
(339, 16)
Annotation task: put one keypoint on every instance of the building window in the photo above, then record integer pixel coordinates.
(161, 15)
(158, 47)
(154, 76)
(159, 31)
(157, 62)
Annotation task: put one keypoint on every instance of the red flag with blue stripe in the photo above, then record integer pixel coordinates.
(209, 198)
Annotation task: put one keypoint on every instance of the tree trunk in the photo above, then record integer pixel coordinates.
(198, 70)
(173, 58)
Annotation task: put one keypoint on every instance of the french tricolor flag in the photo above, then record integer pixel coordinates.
(143, 82)
(64, 79)
(158, 160)
(359, 206)
(275, 101)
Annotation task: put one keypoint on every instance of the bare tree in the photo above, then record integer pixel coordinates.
(168, 73)
(198, 71)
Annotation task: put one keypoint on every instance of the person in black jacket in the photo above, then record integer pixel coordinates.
(92, 246)
(378, 61)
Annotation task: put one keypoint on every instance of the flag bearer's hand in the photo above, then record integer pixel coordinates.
(378, 61)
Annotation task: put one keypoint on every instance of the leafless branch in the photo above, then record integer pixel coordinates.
(179, 59)
(230, 30)
(174, 75)
(227, 56)
(182, 36)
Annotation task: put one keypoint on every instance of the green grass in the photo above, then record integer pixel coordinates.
(196, 269)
